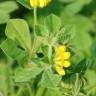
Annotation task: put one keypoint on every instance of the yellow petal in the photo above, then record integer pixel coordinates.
(67, 55)
(60, 71)
(43, 3)
(60, 51)
(61, 48)
(34, 3)
(66, 64)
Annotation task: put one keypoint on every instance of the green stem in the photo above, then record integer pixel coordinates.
(30, 90)
(35, 23)
(20, 90)
(40, 90)
(34, 33)
(50, 52)
(35, 19)
(76, 86)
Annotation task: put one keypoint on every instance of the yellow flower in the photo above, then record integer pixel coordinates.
(39, 3)
(62, 59)
(66, 64)
(34, 3)
(60, 50)
(43, 3)
(60, 71)
(67, 55)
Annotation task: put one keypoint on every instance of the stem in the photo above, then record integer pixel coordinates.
(50, 53)
(35, 23)
(19, 91)
(40, 90)
(34, 32)
(35, 19)
(76, 86)
(30, 90)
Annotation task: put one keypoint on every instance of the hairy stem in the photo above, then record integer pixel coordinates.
(30, 90)
(76, 86)
(35, 23)
(32, 51)
(20, 90)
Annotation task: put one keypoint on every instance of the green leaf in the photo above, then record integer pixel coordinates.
(3, 86)
(26, 74)
(41, 30)
(50, 80)
(6, 8)
(67, 1)
(82, 44)
(4, 18)
(66, 34)
(76, 6)
(94, 48)
(5, 80)
(77, 57)
(83, 25)
(43, 49)
(25, 3)
(17, 29)
(90, 87)
(53, 23)
(12, 50)
(52, 92)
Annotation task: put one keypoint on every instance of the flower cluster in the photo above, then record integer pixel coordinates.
(62, 59)
(39, 3)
